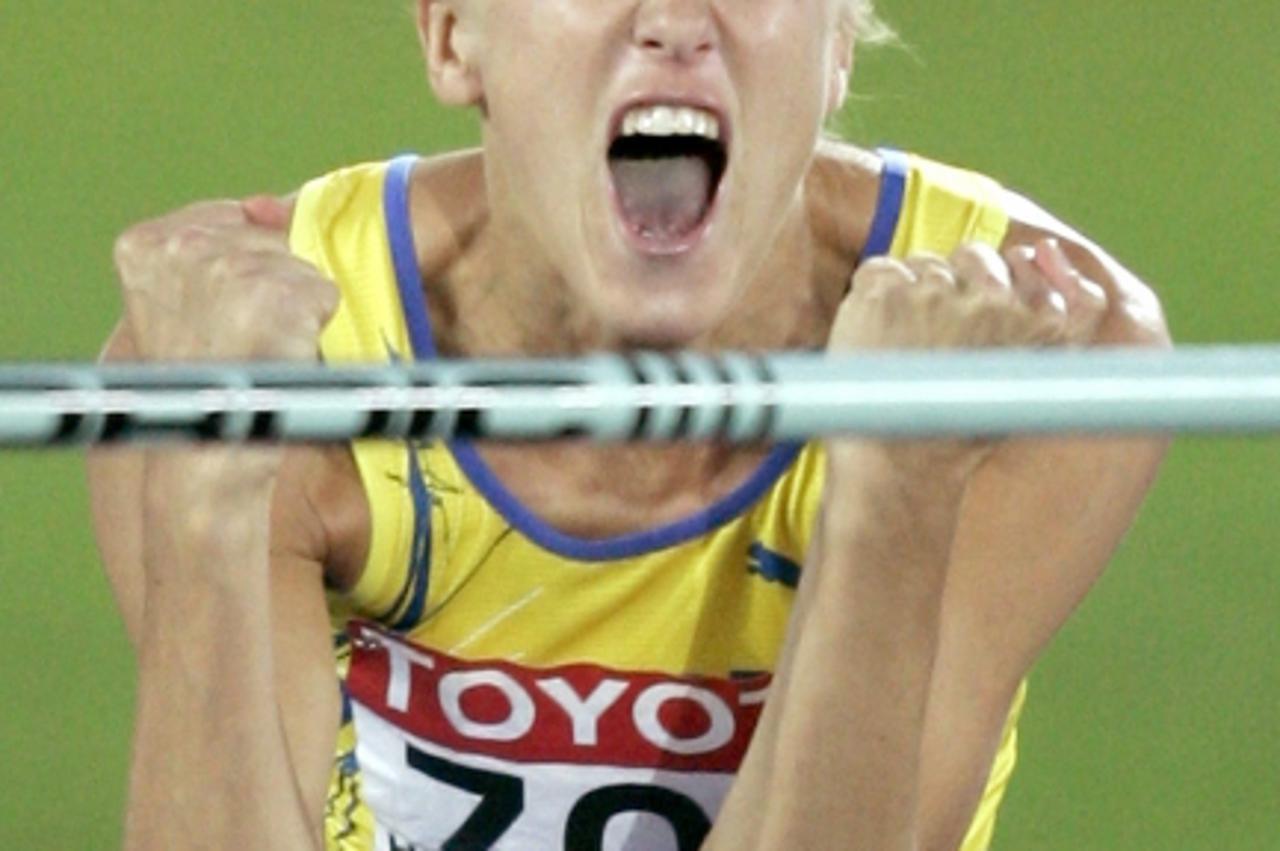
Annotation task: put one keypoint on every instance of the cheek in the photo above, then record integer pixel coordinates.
(784, 60)
(541, 96)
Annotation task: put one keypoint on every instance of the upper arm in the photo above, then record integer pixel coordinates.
(1042, 516)
(1040, 521)
(305, 675)
(319, 532)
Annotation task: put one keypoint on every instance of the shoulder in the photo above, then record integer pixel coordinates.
(330, 195)
(450, 183)
(436, 205)
(896, 202)
(442, 197)
(841, 192)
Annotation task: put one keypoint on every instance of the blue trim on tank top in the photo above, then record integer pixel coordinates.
(404, 255)
(893, 191)
(413, 300)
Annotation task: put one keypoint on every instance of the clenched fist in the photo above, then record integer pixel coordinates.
(1032, 296)
(216, 281)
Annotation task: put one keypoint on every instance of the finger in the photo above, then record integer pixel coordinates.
(931, 270)
(1086, 301)
(1030, 285)
(880, 273)
(211, 213)
(194, 231)
(1053, 263)
(268, 211)
(978, 265)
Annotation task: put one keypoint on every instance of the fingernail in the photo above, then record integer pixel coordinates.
(1023, 253)
(1051, 259)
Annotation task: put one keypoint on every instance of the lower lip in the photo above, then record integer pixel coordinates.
(657, 246)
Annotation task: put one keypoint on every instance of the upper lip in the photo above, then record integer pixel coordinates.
(668, 97)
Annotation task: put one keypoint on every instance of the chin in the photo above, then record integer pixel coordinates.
(662, 323)
(653, 337)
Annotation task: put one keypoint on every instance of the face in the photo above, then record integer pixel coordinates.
(647, 151)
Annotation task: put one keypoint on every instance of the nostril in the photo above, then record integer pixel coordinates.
(677, 49)
(678, 30)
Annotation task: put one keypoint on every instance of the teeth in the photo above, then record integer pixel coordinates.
(670, 121)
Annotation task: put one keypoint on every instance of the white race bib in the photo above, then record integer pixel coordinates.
(462, 755)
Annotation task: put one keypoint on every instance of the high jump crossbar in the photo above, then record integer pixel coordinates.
(735, 397)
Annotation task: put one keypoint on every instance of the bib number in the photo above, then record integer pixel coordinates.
(502, 802)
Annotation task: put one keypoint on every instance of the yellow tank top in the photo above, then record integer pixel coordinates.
(509, 686)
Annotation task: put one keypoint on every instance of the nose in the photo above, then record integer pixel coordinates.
(676, 30)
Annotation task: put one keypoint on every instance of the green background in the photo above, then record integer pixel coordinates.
(1152, 126)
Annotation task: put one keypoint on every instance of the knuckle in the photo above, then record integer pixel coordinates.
(931, 270)
(1055, 303)
(1095, 295)
(241, 266)
(980, 264)
(981, 252)
(1019, 258)
(134, 244)
(879, 277)
(1036, 299)
(310, 300)
(1020, 252)
(177, 233)
(286, 323)
(212, 212)
(967, 255)
(924, 260)
(939, 277)
(937, 292)
(878, 268)
(188, 241)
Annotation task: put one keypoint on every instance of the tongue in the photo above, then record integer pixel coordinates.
(663, 197)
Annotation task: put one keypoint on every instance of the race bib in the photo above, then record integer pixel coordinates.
(494, 755)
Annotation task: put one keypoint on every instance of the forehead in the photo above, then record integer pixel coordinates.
(501, 9)
(523, 28)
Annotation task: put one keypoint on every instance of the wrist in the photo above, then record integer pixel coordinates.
(930, 471)
(207, 521)
(205, 495)
(888, 521)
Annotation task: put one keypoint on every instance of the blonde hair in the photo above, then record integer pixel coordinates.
(864, 25)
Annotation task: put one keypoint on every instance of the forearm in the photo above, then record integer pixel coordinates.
(836, 760)
(211, 766)
(115, 480)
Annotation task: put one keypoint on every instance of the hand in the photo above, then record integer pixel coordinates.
(1032, 296)
(216, 281)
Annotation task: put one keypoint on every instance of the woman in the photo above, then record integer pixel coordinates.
(573, 645)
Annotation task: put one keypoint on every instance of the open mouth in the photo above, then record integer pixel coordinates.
(667, 163)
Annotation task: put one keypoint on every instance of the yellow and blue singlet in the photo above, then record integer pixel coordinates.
(510, 686)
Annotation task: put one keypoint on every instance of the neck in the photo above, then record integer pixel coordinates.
(478, 263)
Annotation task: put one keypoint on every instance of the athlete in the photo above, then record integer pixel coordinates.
(479, 646)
